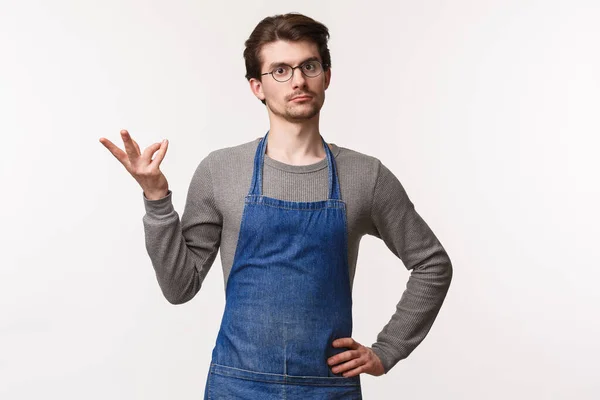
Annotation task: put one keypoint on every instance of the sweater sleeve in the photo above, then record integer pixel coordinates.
(182, 252)
(407, 235)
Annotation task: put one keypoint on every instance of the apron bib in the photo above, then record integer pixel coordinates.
(288, 298)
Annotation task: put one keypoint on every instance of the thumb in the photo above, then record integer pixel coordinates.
(161, 152)
(150, 150)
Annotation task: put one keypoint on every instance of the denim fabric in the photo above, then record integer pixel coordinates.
(288, 297)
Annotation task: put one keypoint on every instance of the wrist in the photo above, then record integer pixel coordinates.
(156, 195)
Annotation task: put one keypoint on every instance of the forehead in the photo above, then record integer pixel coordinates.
(292, 53)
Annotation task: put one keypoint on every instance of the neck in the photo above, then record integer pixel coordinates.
(295, 143)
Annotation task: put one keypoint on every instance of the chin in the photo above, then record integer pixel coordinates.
(306, 112)
(304, 109)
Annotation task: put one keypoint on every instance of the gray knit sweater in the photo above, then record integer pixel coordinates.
(182, 252)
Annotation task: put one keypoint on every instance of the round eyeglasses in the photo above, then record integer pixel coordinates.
(284, 72)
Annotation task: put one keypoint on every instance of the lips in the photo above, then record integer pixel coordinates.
(301, 98)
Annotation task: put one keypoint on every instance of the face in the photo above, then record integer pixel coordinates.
(278, 95)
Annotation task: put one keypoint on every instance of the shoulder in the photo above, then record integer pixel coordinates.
(356, 163)
(230, 168)
(224, 156)
(358, 173)
(226, 160)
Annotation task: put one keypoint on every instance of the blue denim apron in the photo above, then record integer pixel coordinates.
(288, 298)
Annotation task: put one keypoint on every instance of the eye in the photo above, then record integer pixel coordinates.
(280, 71)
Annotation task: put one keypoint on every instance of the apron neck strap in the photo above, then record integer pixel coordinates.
(257, 176)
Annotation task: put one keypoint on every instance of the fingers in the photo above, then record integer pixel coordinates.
(161, 153)
(346, 342)
(357, 361)
(351, 363)
(351, 366)
(132, 154)
(130, 147)
(136, 146)
(356, 371)
(345, 356)
(117, 152)
(149, 151)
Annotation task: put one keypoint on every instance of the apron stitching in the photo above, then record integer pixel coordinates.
(348, 254)
(304, 209)
(253, 379)
(247, 370)
(340, 378)
(284, 351)
(209, 384)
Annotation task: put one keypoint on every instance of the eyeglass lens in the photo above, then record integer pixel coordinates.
(310, 69)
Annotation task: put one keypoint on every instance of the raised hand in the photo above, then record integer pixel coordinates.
(141, 166)
(358, 359)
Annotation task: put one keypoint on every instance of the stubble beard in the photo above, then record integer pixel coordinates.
(295, 112)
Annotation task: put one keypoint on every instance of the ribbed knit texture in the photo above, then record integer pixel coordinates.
(183, 251)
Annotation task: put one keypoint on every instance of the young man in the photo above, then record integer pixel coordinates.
(288, 211)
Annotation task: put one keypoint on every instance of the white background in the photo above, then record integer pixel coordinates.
(487, 112)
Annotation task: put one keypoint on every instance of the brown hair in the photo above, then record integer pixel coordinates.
(291, 27)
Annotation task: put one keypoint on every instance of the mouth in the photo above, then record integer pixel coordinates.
(301, 98)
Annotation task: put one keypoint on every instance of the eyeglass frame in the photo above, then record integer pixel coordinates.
(323, 67)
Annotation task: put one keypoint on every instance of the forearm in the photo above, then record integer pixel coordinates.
(407, 235)
(173, 262)
(416, 311)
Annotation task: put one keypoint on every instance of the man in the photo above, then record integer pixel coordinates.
(288, 211)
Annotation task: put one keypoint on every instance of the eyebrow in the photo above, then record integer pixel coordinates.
(277, 64)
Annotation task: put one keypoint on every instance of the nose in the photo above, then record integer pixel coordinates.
(298, 78)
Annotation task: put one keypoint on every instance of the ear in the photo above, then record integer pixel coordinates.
(256, 87)
(327, 78)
